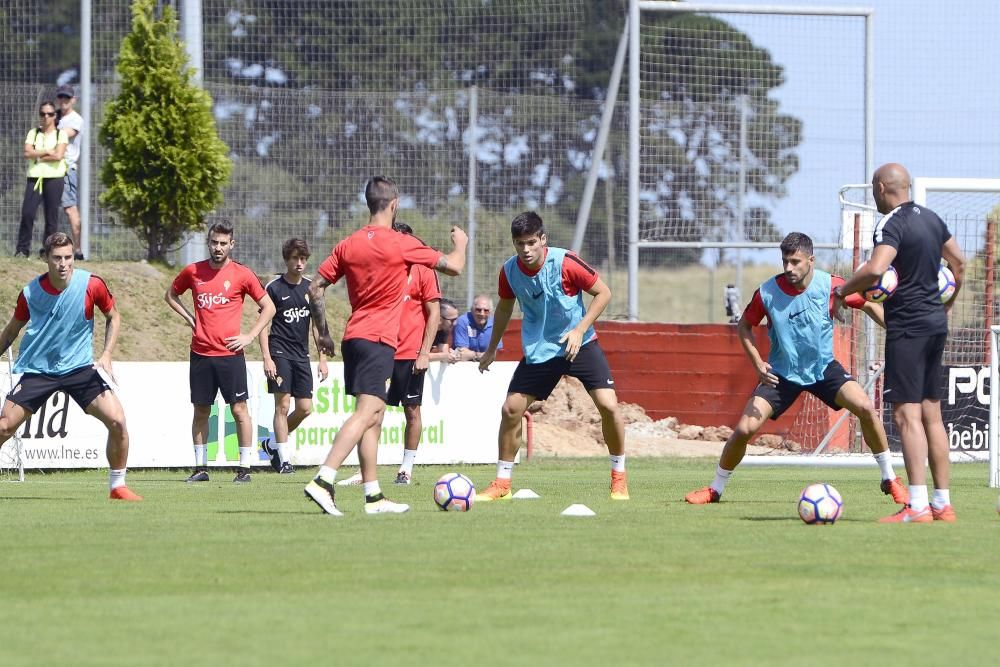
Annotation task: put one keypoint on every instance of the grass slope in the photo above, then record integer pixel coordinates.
(253, 575)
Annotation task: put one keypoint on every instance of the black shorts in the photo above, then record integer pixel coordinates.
(82, 385)
(367, 367)
(294, 377)
(781, 397)
(407, 387)
(913, 368)
(590, 367)
(210, 375)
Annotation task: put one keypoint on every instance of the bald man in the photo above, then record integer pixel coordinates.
(913, 240)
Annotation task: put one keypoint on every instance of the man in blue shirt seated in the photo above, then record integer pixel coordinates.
(473, 330)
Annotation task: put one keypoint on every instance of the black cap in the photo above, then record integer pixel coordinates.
(65, 91)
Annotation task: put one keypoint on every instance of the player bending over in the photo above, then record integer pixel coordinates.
(286, 352)
(798, 305)
(56, 352)
(558, 338)
(375, 261)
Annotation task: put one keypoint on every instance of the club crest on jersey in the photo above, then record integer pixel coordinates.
(225, 285)
(371, 234)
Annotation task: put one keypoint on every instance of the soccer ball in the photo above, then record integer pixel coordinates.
(946, 284)
(883, 287)
(820, 503)
(454, 493)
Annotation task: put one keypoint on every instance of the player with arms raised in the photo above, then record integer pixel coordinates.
(286, 352)
(375, 261)
(218, 287)
(798, 306)
(558, 338)
(57, 352)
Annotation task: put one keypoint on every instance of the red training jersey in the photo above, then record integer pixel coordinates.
(97, 294)
(218, 296)
(577, 275)
(755, 312)
(375, 261)
(421, 287)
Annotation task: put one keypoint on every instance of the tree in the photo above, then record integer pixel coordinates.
(166, 165)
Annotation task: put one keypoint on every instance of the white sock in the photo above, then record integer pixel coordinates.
(200, 456)
(327, 474)
(617, 462)
(372, 489)
(246, 456)
(721, 477)
(282, 451)
(884, 460)
(505, 469)
(409, 456)
(918, 497)
(116, 478)
(940, 499)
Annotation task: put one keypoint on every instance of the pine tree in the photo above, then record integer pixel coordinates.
(166, 164)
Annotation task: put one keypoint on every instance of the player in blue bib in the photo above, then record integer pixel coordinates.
(798, 306)
(558, 338)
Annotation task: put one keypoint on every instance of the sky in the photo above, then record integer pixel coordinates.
(937, 96)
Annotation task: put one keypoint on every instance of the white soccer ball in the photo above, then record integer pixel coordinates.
(946, 284)
(883, 287)
(454, 492)
(820, 504)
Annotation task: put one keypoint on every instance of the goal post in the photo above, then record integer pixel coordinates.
(11, 452)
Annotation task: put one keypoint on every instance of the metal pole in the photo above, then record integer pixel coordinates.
(583, 215)
(869, 96)
(86, 104)
(633, 160)
(741, 197)
(191, 17)
(470, 289)
(994, 436)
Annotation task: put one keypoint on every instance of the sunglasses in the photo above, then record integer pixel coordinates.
(50, 114)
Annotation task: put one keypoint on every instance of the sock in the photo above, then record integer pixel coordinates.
(940, 499)
(505, 469)
(409, 456)
(721, 477)
(373, 492)
(282, 452)
(884, 460)
(246, 456)
(918, 497)
(327, 474)
(200, 456)
(617, 462)
(116, 478)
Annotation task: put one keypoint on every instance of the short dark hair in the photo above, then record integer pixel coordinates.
(449, 303)
(379, 193)
(294, 246)
(528, 223)
(223, 226)
(48, 103)
(795, 242)
(57, 240)
(402, 228)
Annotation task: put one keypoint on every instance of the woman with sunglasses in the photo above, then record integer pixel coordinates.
(44, 149)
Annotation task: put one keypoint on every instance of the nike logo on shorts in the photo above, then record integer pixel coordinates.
(610, 381)
(242, 393)
(412, 395)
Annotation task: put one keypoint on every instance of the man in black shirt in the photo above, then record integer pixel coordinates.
(913, 239)
(286, 352)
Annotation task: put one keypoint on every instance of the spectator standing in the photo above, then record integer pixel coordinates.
(44, 148)
(71, 123)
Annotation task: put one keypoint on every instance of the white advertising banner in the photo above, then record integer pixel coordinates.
(460, 414)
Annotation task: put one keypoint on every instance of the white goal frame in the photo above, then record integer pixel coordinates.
(15, 440)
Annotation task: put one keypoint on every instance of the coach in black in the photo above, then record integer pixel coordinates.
(913, 239)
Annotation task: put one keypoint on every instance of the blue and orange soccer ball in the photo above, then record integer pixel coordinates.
(454, 493)
(883, 287)
(946, 284)
(820, 504)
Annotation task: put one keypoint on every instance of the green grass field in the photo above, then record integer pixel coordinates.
(218, 574)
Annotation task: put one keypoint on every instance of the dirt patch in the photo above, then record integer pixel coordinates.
(568, 424)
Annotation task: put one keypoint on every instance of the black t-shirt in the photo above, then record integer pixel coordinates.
(917, 234)
(289, 335)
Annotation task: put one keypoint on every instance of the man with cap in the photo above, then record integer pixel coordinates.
(71, 123)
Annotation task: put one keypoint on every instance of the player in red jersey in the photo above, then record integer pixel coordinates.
(375, 261)
(218, 288)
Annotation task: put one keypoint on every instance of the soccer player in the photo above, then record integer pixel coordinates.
(286, 352)
(558, 338)
(56, 352)
(375, 261)
(218, 287)
(913, 239)
(798, 305)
